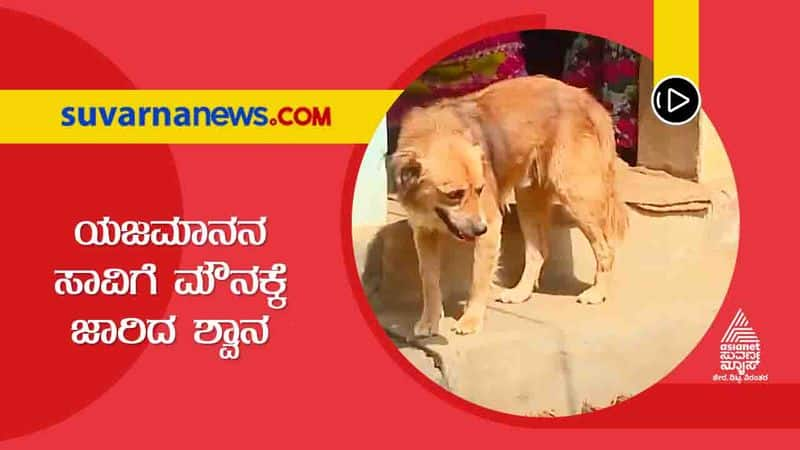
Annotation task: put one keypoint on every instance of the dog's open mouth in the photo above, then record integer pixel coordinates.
(453, 229)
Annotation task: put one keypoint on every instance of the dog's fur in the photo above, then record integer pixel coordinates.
(458, 161)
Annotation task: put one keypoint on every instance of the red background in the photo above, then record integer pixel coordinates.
(325, 376)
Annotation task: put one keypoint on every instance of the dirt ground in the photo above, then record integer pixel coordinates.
(551, 355)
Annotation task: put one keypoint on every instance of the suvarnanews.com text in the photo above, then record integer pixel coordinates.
(195, 116)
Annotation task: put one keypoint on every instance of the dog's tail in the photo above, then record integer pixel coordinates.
(616, 217)
(616, 220)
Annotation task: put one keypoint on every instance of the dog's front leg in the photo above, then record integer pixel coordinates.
(428, 244)
(487, 251)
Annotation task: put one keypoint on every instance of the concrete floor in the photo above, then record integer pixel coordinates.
(551, 355)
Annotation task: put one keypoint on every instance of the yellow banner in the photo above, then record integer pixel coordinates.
(676, 39)
(192, 116)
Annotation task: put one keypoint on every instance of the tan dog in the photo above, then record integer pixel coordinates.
(458, 161)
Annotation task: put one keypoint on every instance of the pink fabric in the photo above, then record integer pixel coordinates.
(512, 66)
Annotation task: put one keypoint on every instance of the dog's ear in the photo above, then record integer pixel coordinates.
(407, 170)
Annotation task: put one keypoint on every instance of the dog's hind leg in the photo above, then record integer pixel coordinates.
(581, 173)
(589, 215)
(533, 209)
(604, 254)
(428, 245)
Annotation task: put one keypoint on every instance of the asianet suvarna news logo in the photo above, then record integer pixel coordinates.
(194, 116)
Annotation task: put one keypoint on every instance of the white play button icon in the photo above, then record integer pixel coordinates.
(671, 105)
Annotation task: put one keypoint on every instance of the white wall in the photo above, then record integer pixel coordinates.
(369, 200)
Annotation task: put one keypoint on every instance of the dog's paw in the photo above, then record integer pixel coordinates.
(426, 327)
(468, 324)
(592, 296)
(513, 296)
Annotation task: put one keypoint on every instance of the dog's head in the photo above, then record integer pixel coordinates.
(439, 172)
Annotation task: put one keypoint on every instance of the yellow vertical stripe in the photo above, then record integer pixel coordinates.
(676, 39)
